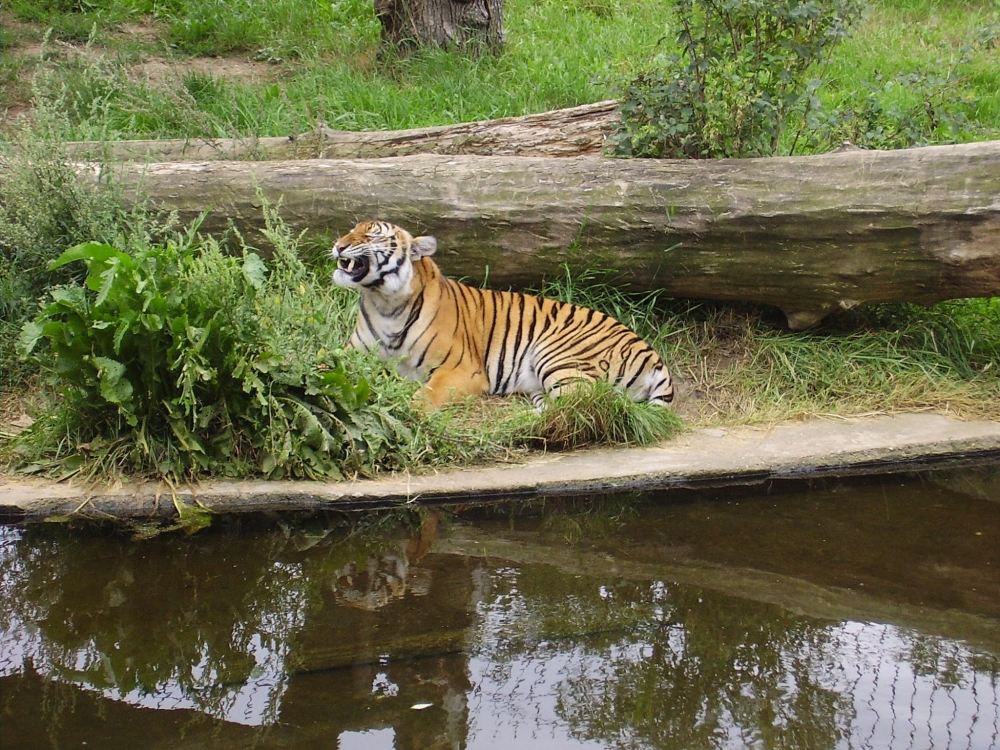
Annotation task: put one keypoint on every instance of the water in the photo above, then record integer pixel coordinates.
(852, 617)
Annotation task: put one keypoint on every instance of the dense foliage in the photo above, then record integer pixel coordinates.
(44, 209)
(181, 360)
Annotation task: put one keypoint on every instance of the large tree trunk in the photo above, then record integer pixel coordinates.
(808, 234)
(473, 25)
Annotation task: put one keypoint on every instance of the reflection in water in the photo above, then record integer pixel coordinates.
(653, 629)
(694, 669)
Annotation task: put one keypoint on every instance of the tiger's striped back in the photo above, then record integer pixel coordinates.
(461, 340)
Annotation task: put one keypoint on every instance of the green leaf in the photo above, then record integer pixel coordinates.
(88, 251)
(255, 271)
(123, 327)
(268, 463)
(191, 518)
(31, 333)
(114, 387)
(108, 276)
(151, 322)
(67, 361)
(71, 297)
(188, 440)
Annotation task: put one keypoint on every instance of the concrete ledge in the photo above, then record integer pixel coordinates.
(703, 458)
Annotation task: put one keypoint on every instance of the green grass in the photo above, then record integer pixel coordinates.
(331, 72)
(943, 360)
(325, 65)
(956, 42)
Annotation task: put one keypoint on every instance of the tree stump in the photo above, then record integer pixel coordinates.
(471, 25)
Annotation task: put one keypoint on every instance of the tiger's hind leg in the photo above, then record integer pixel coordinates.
(657, 387)
(448, 385)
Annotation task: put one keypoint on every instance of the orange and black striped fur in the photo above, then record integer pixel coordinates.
(461, 341)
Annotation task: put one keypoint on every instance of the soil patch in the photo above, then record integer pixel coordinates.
(161, 71)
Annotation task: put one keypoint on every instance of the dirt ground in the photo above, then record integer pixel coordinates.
(27, 52)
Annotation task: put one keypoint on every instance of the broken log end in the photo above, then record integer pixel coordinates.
(799, 320)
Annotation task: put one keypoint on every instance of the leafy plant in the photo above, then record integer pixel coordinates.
(179, 360)
(742, 70)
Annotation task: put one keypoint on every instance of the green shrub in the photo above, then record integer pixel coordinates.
(179, 360)
(741, 73)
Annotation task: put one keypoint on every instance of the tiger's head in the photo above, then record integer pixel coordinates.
(379, 256)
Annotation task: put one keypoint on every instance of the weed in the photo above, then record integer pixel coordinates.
(936, 83)
(885, 359)
(178, 360)
(46, 207)
(899, 111)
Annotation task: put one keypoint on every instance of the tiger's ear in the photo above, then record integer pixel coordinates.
(423, 246)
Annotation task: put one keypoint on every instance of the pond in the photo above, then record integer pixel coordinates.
(848, 615)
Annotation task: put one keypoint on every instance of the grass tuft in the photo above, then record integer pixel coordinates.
(738, 366)
(599, 414)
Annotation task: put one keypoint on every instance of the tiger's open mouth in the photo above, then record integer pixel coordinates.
(356, 268)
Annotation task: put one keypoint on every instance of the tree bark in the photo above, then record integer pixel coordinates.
(808, 234)
(574, 131)
(468, 25)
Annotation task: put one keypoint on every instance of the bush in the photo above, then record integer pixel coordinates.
(178, 360)
(741, 73)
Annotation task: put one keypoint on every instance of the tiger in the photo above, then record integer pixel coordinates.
(461, 341)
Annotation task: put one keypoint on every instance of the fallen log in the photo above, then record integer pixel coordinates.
(574, 131)
(808, 234)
